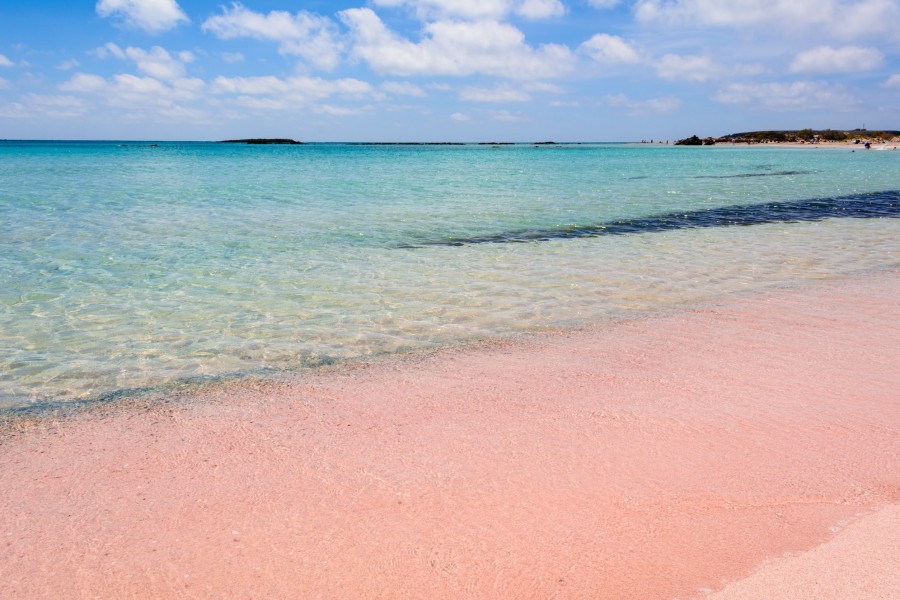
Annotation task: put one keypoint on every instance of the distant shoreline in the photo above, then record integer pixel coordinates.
(290, 142)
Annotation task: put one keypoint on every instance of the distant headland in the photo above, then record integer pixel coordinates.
(795, 136)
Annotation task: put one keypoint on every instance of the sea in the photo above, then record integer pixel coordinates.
(152, 267)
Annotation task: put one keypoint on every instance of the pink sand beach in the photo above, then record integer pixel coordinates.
(746, 449)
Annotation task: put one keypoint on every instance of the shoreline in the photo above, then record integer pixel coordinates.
(890, 145)
(643, 458)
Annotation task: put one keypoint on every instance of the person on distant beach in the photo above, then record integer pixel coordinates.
(867, 145)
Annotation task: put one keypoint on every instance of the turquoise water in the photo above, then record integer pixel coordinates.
(130, 265)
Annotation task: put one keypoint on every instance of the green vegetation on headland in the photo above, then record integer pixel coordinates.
(262, 141)
(795, 136)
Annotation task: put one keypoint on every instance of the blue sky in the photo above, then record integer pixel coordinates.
(444, 70)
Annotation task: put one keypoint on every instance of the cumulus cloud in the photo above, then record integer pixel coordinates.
(478, 9)
(501, 93)
(311, 37)
(540, 86)
(54, 107)
(44, 106)
(604, 3)
(825, 59)
(84, 82)
(696, 68)
(639, 108)
(68, 65)
(5, 62)
(298, 89)
(539, 9)
(609, 49)
(127, 90)
(460, 117)
(845, 18)
(403, 88)
(893, 81)
(340, 111)
(505, 115)
(156, 62)
(153, 16)
(454, 48)
(800, 95)
(141, 97)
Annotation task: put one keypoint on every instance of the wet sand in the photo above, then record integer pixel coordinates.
(745, 449)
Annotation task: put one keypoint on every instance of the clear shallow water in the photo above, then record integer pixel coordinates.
(124, 265)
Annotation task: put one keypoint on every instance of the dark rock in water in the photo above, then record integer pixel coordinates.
(691, 141)
(263, 141)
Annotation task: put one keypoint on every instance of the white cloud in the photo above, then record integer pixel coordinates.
(263, 104)
(5, 62)
(844, 18)
(638, 108)
(539, 9)
(501, 93)
(801, 95)
(312, 37)
(83, 82)
(153, 16)
(825, 59)
(3, 84)
(609, 49)
(134, 92)
(505, 115)
(56, 107)
(540, 86)
(454, 48)
(68, 65)
(893, 81)
(604, 3)
(478, 9)
(297, 89)
(232, 57)
(130, 90)
(695, 68)
(156, 62)
(340, 111)
(107, 50)
(403, 88)
(460, 117)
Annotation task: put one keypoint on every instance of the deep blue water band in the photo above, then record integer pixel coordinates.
(873, 205)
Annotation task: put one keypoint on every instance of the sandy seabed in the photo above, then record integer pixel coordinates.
(746, 449)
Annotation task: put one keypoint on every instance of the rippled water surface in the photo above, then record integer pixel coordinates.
(131, 265)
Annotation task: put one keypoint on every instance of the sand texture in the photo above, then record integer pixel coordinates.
(749, 449)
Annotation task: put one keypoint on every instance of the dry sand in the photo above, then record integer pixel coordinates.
(750, 449)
